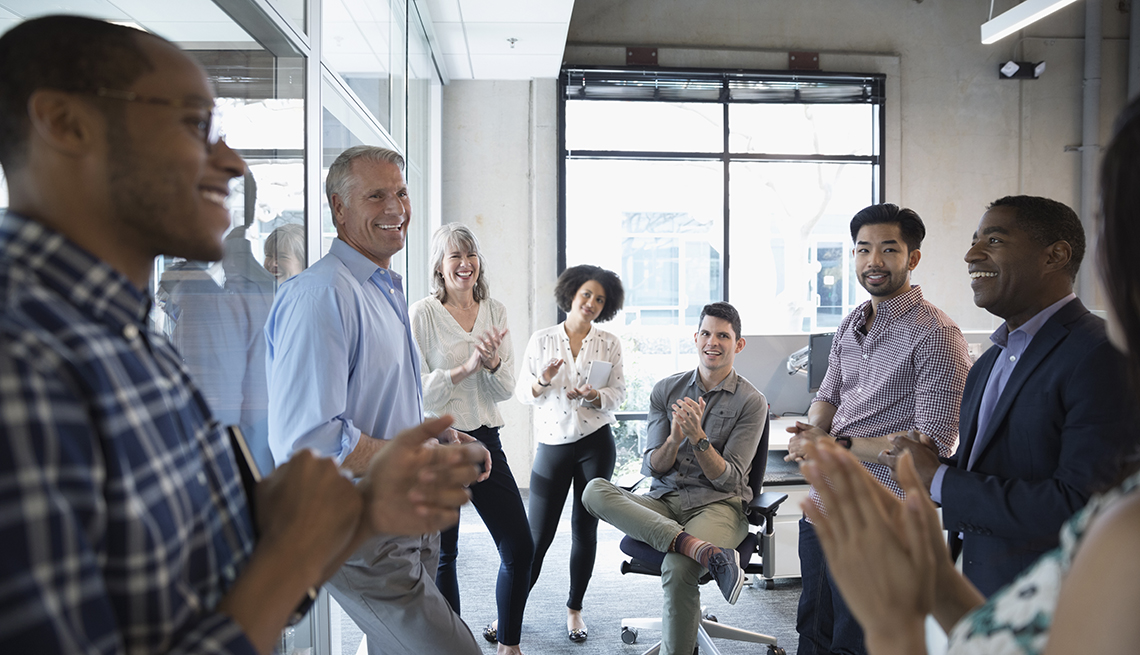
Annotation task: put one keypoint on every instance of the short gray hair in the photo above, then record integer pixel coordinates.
(340, 172)
(451, 235)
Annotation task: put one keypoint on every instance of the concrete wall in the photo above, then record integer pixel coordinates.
(499, 176)
(958, 136)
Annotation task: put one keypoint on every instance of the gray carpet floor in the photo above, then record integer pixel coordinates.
(610, 598)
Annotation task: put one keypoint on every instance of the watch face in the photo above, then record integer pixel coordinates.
(703, 445)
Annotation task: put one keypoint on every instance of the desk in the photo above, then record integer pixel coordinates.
(785, 477)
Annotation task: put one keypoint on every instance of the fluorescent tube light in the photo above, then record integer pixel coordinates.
(1019, 17)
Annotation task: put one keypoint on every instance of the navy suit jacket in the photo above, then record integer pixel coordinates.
(1058, 431)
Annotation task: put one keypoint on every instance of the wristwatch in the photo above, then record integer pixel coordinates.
(702, 445)
(844, 441)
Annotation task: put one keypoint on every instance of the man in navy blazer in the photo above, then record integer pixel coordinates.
(1044, 414)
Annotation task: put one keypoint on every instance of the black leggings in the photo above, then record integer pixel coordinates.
(498, 502)
(555, 467)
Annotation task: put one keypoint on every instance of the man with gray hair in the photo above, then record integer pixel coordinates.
(343, 377)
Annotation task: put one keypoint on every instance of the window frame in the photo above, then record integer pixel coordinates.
(650, 84)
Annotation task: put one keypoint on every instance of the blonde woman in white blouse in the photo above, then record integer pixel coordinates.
(573, 419)
(467, 367)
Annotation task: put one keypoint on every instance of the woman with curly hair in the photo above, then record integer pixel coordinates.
(573, 419)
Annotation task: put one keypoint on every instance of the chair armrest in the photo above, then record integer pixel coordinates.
(762, 508)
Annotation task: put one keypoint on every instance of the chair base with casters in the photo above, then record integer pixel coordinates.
(706, 630)
(644, 559)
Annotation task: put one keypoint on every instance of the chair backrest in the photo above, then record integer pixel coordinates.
(759, 462)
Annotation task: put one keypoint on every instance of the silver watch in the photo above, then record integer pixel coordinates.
(702, 445)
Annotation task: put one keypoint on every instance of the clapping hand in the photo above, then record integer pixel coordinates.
(451, 435)
(923, 451)
(688, 414)
(413, 489)
(882, 552)
(585, 392)
(803, 434)
(550, 371)
(487, 345)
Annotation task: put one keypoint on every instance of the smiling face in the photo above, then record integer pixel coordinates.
(1008, 269)
(283, 265)
(882, 260)
(167, 189)
(460, 270)
(588, 301)
(717, 345)
(374, 218)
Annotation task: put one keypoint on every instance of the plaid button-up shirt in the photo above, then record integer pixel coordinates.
(906, 373)
(122, 517)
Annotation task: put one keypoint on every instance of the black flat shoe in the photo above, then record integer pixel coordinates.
(491, 634)
(578, 636)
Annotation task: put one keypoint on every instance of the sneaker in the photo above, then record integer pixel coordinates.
(724, 566)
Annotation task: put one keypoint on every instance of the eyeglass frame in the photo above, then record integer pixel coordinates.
(213, 132)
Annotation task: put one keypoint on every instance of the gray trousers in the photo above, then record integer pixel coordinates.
(657, 522)
(388, 588)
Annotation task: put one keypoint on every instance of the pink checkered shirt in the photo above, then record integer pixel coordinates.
(907, 373)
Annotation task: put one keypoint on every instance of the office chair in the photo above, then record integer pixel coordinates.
(757, 544)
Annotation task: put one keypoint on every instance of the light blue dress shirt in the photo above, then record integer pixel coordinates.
(341, 358)
(1013, 346)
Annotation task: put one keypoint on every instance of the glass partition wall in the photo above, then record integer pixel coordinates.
(297, 82)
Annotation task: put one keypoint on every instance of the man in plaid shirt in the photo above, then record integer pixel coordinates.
(897, 363)
(124, 527)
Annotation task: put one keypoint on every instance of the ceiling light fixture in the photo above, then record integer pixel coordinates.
(1021, 70)
(1019, 17)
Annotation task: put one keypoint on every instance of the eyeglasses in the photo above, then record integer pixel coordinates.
(207, 127)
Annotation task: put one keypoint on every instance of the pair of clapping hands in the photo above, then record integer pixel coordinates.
(486, 353)
(686, 423)
(413, 486)
(888, 557)
(584, 392)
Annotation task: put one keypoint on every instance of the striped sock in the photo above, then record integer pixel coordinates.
(691, 547)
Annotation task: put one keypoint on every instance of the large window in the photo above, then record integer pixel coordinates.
(698, 186)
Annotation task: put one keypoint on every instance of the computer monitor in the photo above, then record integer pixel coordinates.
(819, 347)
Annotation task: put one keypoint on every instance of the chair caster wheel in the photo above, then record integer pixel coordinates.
(629, 635)
(712, 617)
(775, 650)
(769, 584)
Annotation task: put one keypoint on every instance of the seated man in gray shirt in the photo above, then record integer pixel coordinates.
(704, 428)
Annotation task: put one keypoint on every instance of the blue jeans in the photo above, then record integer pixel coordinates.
(825, 624)
(498, 502)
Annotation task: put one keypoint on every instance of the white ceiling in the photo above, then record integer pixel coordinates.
(185, 21)
(474, 36)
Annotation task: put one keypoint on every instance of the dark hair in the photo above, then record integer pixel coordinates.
(1047, 222)
(723, 311)
(1119, 234)
(574, 277)
(1120, 230)
(65, 53)
(910, 225)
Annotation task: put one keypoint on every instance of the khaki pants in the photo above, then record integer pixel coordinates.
(388, 588)
(657, 522)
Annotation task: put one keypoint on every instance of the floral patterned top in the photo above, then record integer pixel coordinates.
(1016, 620)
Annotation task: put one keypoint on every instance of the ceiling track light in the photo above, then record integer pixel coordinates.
(1019, 18)
(1021, 70)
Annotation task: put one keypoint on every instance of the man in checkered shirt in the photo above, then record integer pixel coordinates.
(897, 363)
(124, 527)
